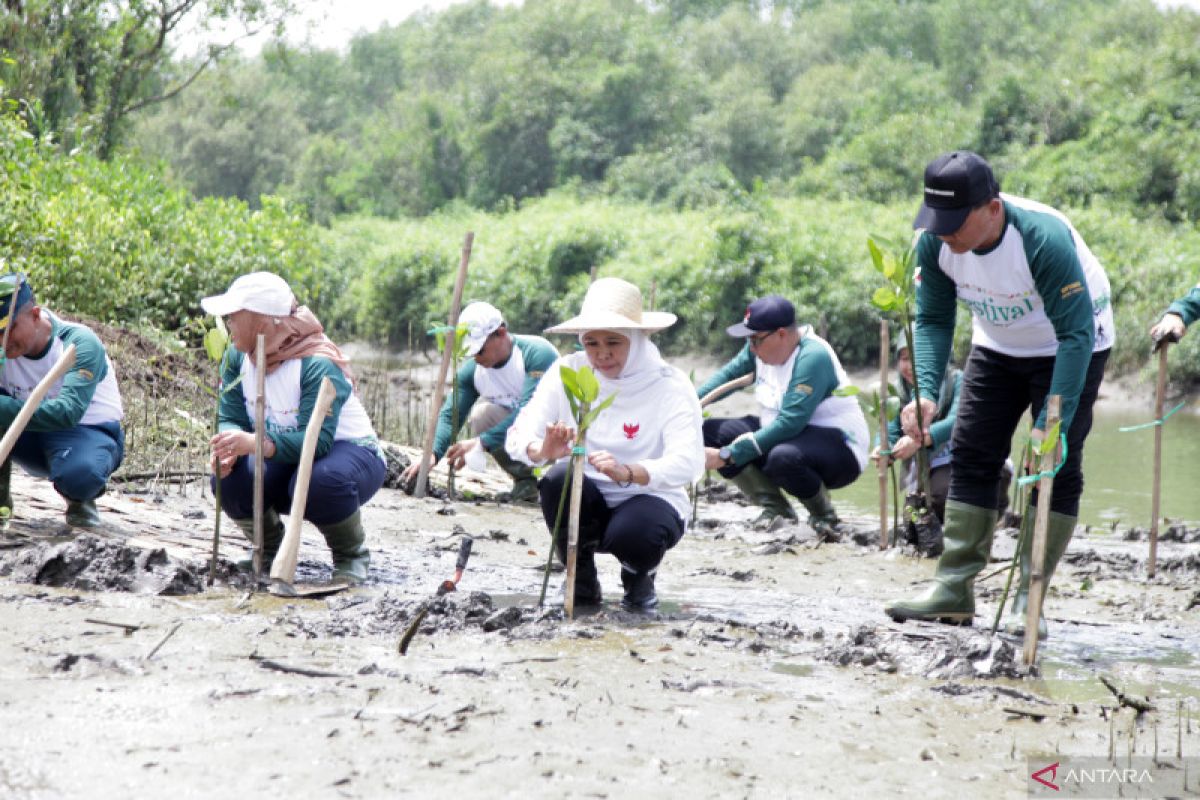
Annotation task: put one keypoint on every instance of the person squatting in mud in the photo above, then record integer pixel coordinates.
(490, 388)
(74, 438)
(806, 439)
(903, 447)
(642, 451)
(1042, 325)
(348, 467)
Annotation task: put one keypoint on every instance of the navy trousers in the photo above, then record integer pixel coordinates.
(799, 465)
(78, 461)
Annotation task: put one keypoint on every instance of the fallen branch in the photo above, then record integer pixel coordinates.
(1138, 704)
(267, 663)
(162, 641)
(1033, 715)
(129, 629)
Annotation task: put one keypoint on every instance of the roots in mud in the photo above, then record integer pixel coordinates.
(96, 564)
(921, 526)
(950, 654)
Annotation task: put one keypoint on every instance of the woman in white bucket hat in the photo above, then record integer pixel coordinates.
(348, 467)
(642, 451)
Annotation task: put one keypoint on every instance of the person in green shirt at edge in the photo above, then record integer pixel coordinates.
(1176, 319)
(348, 466)
(74, 438)
(806, 439)
(491, 387)
(1042, 324)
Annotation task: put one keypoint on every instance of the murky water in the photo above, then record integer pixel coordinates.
(1118, 470)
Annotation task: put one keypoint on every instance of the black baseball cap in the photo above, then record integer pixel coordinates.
(765, 314)
(955, 183)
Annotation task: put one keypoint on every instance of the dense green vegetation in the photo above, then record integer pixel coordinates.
(715, 150)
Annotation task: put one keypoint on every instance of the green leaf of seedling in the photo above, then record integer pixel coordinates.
(591, 415)
(570, 380)
(215, 342)
(849, 390)
(589, 387)
(231, 386)
(1086, 585)
(1051, 441)
(876, 254)
(884, 298)
(893, 408)
(890, 266)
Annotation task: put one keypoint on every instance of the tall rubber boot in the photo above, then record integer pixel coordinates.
(951, 598)
(272, 538)
(639, 590)
(5, 493)
(587, 580)
(82, 513)
(524, 482)
(1059, 530)
(347, 542)
(758, 488)
(822, 517)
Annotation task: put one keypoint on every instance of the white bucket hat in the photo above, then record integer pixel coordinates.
(613, 304)
(482, 319)
(262, 292)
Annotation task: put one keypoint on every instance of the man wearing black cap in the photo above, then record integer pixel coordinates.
(1042, 325)
(74, 438)
(805, 439)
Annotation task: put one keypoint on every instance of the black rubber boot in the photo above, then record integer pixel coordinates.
(5, 493)
(347, 542)
(272, 538)
(639, 590)
(951, 598)
(524, 482)
(587, 580)
(758, 488)
(822, 517)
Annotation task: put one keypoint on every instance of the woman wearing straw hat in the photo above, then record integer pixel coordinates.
(642, 450)
(348, 467)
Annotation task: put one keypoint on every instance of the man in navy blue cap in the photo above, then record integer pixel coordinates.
(74, 438)
(1042, 325)
(805, 439)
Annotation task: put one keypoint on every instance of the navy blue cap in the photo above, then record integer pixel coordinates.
(24, 296)
(955, 183)
(765, 314)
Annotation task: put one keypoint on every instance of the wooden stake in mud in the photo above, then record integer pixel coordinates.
(64, 363)
(884, 356)
(1160, 389)
(577, 460)
(1037, 574)
(283, 569)
(260, 426)
(435, 406)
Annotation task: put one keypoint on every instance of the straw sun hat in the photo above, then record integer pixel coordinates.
(613, 304)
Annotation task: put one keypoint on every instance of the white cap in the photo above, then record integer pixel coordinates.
(262, 292)
(481, 319)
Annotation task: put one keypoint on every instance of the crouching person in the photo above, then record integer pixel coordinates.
(806, 439)
(348, 467)
(74, 438)
(642, 451)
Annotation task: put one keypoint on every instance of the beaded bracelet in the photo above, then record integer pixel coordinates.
(626, 484)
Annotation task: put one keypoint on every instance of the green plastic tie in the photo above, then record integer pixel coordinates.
(1153, 423)
(1028, 479)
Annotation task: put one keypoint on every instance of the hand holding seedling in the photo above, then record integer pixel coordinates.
(908, 418)
(457, 454)
(556, 444)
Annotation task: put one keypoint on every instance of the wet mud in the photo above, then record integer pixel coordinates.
(768, 661)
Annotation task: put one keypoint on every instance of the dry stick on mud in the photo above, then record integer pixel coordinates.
(883, 432)
(439, 387)
(1037, 574)
(260, 423)
(162, 641)
(64, 363)
(1156, 494)
(1138, 704)
(283, 569)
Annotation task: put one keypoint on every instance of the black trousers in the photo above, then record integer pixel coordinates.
(997, 390)
(799, 465)
(638, 532)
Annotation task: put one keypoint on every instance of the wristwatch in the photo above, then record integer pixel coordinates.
(725, 454)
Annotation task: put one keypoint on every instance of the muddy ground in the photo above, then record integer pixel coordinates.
(770, 671)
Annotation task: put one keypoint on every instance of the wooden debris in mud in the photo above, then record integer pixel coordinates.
(276, 666)
(1036, 716)
(1138, 704)
(162, 641)
(127, 628)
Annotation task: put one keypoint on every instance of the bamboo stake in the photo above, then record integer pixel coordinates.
(573, 528)
(260, 424)
(439, 387)
(1037, 575)
(65, 362)
(719, 392)
(283, 570)
(884, 344)
(1156, 494)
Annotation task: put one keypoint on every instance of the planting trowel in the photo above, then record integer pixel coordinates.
(446, 586)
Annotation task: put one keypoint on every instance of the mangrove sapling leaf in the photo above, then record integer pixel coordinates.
(590, 416)
(1051, 440)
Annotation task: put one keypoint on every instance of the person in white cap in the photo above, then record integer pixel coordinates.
(74, 438)
(642, 451)
(489, 389)
(348, 468)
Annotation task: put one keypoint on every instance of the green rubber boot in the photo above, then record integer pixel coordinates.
(951, 598)
(822, 517)
(82, 514)
(272, 538)
(347, 542)
(1059, 530)
(524, 482)
(758, 488)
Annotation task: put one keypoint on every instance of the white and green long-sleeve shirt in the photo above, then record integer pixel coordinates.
(291, 392)
(86, 395)
(797, 393)
(1038, 291)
